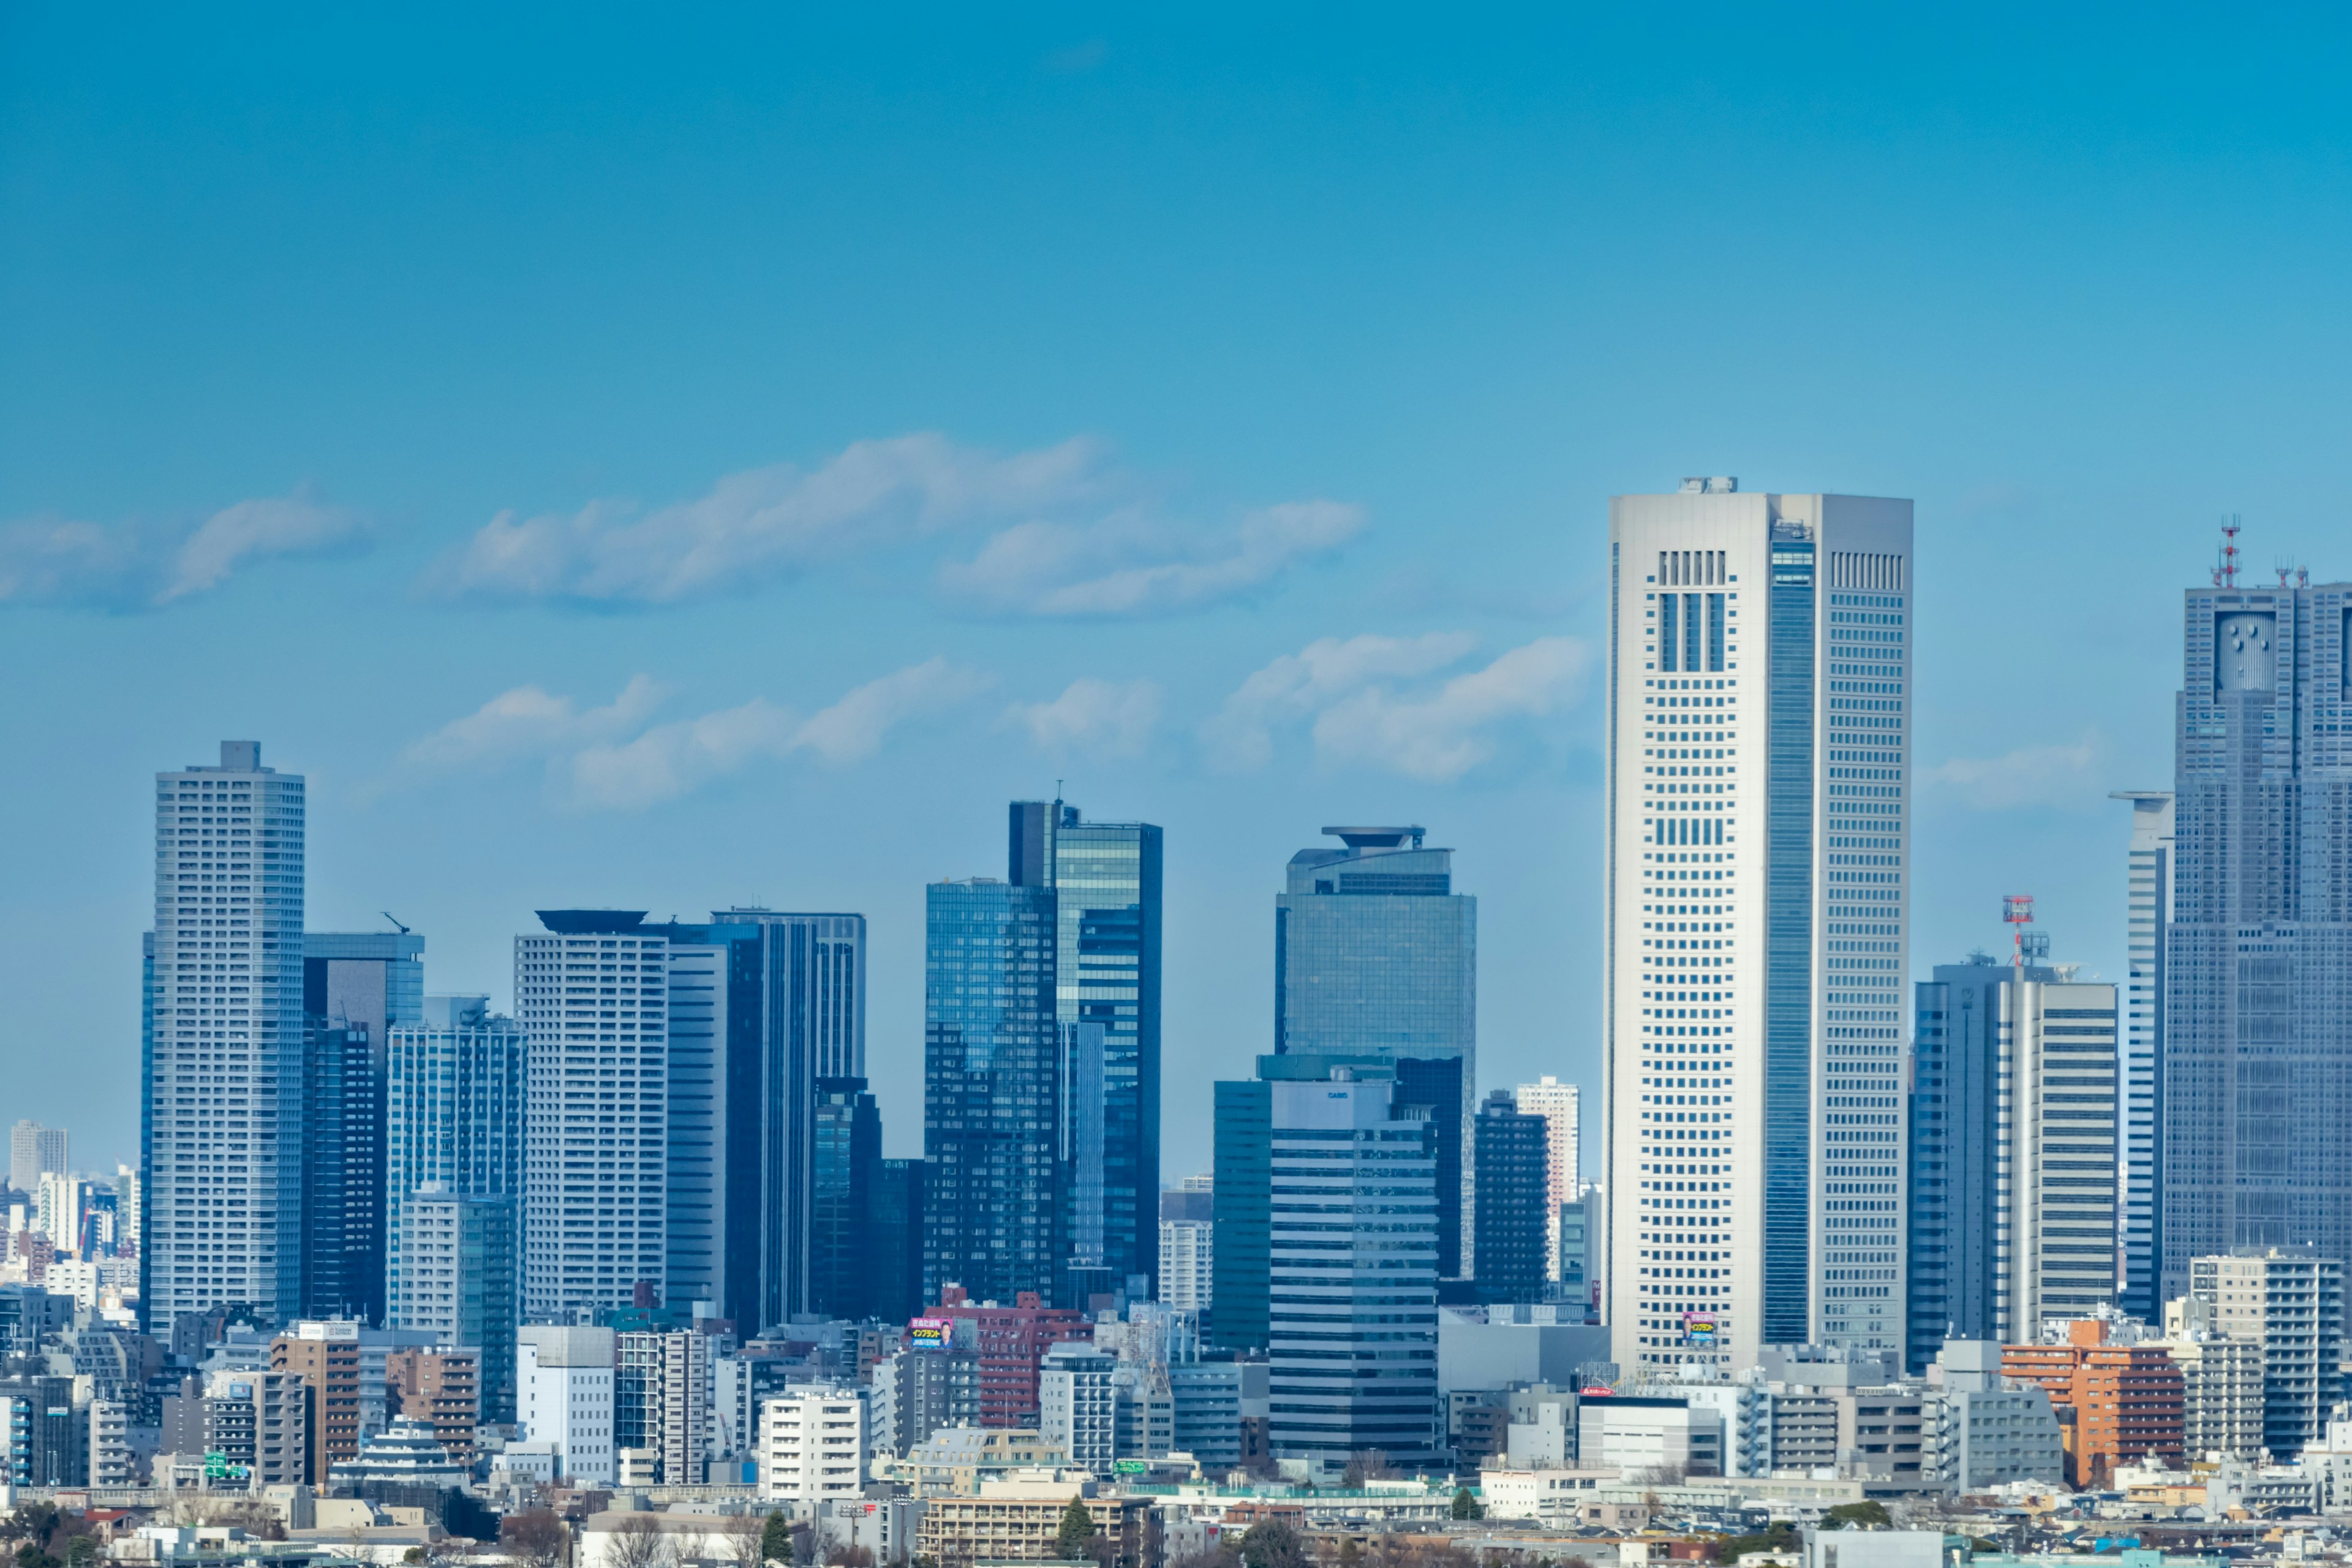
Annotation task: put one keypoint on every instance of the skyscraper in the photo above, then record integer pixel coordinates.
(2255, 1094)
(592, 995)
(34, 1151)
(992, 1111)
(456, 1087)
(1561, 1105)
(849, 1170)
(762, 1004)
(1758, 775)
(1376, 954)
(222, 1068)
(461, 1287)
(2012, 1153)
(1513, 1186)
(2148, 917)
(356, 986)
(1106, 881)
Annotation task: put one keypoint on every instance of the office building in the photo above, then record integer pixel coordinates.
(2290, 1301)
(993, 1106)
(456, 1085)
(895, 1256)
(1338, 1384)
(1758, 777)
(1011, 1343)
(2012, 1153)
(2256, 1141)
(1207, 1404)
(1989, 1429)
(1022, 1525)
(1188, 1215)
(1561, 1107)
(1513, 1190)
(222, 1055)
(762, 1004)
(33, 1151)
(2123, 1402)
(1376, 954)
(565, 1398)
(44, 1437)
(813, 1447)
(1243, 1174)
(1572, 1223)
(592, 997)
(848, 1160)
(460, 1253)
(2148, 922)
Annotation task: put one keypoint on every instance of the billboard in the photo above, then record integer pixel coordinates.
(1698, 1328)
(929, 1333)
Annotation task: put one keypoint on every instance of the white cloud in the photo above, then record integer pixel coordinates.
(614, 759)
(762, 522)
(1099, 716)
(1240, 734)
(136, 565)
(1127, 565)
(2030, 775)
(1441, 735)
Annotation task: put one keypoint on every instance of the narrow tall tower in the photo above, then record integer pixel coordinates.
(1758, 773)
(222, 1132)
(2147, 919)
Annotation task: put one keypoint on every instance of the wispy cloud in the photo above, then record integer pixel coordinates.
(614, 758)
(1129, 565)
(131, 565)
(1372, 703)
(1098, 718)
(761, 523)
(2063, 774)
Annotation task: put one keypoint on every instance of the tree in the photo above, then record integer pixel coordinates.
(741, 1537)
(535, 1538)
(1465, 1506)
(1274, 1543)
(842, 1555)
(775, 1540)
(1860, 1515)
(1077, 1531)
(1366, 1465)
(637, 1541)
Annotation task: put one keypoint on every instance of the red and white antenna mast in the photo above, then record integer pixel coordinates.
(2017, 908)
(2225, 576)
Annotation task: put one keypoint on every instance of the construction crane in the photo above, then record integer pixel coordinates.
(390, 916)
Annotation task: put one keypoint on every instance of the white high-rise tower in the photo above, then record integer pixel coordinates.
(1560, 1105)
(1759, 767)
(223, 1166)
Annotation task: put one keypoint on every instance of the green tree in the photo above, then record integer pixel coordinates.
(1274, 1543)
(1860, 1515)
(1465, 1506)
(1077, 1531)
(776, 1540)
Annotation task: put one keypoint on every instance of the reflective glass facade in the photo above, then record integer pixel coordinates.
(454, 1106)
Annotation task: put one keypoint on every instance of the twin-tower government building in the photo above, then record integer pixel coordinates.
(1759, 758)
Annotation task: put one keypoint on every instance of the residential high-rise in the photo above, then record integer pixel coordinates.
(1513, 1186)
(461, 1284)
(1376, 954)
(1352, 1334)
(221, 1056)
(992, 1218)
(455, 1092)
(1561, 1107)
(661, 1400)
(357, 987)
(762, 1004)
(592, 997)
(2147, 919)
(2012, 1153)
(1188, 1215)
(34, 1151)
(2127, 1400)
(2255, 1092)
(1106, 881)
(1758, 770)
(849, 1169)
(2289, 1300)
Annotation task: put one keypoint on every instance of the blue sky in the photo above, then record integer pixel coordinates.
(677, 460)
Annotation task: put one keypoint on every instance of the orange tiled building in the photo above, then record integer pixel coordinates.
(2117, 1404)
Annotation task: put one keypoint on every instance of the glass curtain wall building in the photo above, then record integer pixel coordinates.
(356, 987)
(454, 1111)
(2148, 917)
(1758, 828)
(2255, 1094)
(1105, 877)
(993, 1220)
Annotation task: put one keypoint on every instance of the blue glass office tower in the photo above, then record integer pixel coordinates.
(357, 987)
(454, 1105)
(994, 1150)
(2255, 1102)
(1376, 956)
(1105, 877)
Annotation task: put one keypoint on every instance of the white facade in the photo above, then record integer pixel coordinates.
(226, 1058)
(1560, 1105)
(1551, 1497)
(111, 1463)
(1187, 1260)
(811, 1446)
(1758, 832)
(1077, 1405)
(34, 1151)
(564, 1397)
(2147, 913)
(594, 1005)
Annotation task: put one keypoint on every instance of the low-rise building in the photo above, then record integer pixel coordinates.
(1664, 1439)
(954, 1462)
(1553, 1497)
(958, 1532)
(1985, 1429)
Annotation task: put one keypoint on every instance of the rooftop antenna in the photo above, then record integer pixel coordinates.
(388, 915)
(2282, 568)
(2225, 575)
(2302, 576)
(2017, 908)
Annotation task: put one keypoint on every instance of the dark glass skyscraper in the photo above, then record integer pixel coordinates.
(992, 1136)
(1513, 1189)
(1106, 881)
(2256, 1098)
(849, 1170)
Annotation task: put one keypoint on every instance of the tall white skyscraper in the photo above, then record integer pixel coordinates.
(592, 998)
(2147, 914)
(1560, 1105)
(1759, 767)
(223, 1130)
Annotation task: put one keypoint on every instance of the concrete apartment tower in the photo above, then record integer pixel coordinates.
(1759, 750)
(2147, 919)
(222, 1137)
(1561, 1107)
